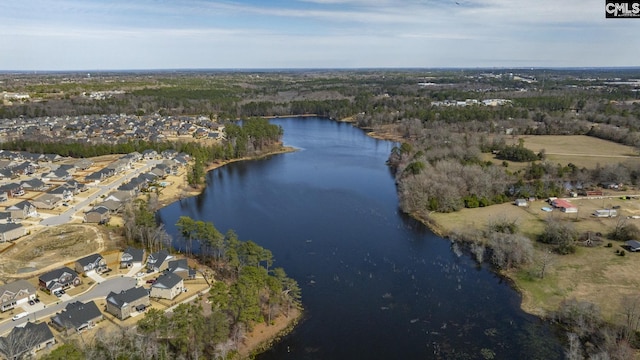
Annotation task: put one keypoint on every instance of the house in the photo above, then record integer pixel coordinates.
(12, 189)
(181, 268)
(62, 191)
(564, 206)
(77, 317)
(521, 202)
(122, 304)
(15, 294)
(62, 278)
(122, 196)
(634, 245)
(158, 261)
(75, 187)
(167, 286)
(150, 154)
(97, 215)
(11, 231)
(132, 257)
(93, 262)
(83, 164)
(34, 185)
(113, 205)
(22, 210)
(28, 339)
(47, 201)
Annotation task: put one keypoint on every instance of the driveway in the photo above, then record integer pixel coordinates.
(95, 276)
(99, 291)
(66, 216)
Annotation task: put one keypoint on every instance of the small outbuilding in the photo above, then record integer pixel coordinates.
(634, 245)
(521, 202)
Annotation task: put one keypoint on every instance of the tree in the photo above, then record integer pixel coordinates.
(510, 250)
(544, 261)
(68, 351)
(561, 234)
(19, 343)
(630, 305)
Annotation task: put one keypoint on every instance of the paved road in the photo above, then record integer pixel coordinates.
(99, 291)
(66, 216)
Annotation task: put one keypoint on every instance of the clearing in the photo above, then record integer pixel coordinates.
(52, 247)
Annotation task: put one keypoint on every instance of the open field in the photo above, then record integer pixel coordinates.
(581, 150)
(594, 274)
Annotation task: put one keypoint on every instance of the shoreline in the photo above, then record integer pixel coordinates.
(437, 229)
(184, 190)
(262, 336)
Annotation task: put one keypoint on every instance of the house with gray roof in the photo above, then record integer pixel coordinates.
(58, 279)
(47, 201)
(12, 189)
(15, 294)
(131, 257)
(22, 210)
(77, 317)
(93, 262)
(158, 261)
(113, 205)
(11, 231)
(181, 268)
(167, 286)
(122, 304)
(97, 215)
(34, 185)
(26, 340)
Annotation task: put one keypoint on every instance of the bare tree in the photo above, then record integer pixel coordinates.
(574, 350)
(630, 305)
(509, 250)
(20, 342)
(544, 261)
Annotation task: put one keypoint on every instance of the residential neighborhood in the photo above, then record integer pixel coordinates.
(110, 129)
(40, 191)
(56, 309)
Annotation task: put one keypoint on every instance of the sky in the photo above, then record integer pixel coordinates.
(45, 35)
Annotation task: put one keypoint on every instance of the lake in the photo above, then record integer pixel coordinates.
(376, 284)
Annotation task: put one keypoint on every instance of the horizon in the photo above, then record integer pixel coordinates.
(112, 35)
(301, 69)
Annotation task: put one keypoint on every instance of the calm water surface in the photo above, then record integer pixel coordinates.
(375, 284)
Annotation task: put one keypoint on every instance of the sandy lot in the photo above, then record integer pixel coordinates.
(51, 247)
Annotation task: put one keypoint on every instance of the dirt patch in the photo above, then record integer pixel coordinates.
(263, 335)
(52, 247)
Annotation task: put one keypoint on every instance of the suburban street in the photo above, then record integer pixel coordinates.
(41, 311)
(66, 216)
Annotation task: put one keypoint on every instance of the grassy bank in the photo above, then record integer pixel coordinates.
(595, 274)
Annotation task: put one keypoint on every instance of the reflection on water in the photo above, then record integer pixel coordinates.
(376, 283)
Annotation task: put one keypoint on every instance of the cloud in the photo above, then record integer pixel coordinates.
(336, 33)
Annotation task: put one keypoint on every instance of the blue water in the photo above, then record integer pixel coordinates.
(376, 284)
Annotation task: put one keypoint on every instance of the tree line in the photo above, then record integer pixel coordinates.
(247, 290)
